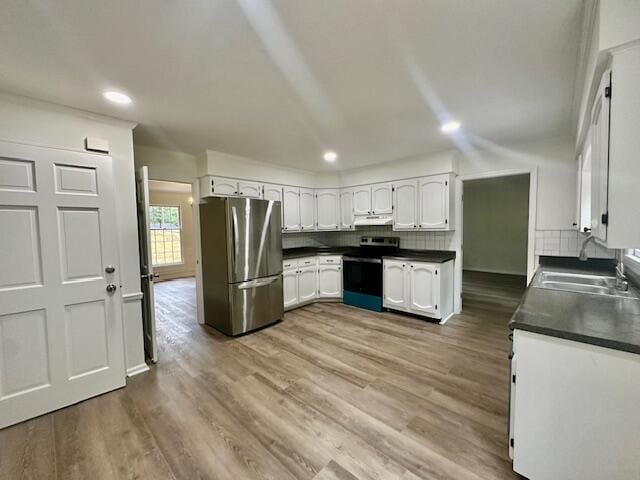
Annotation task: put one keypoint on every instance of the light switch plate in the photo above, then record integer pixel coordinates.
(94, 144)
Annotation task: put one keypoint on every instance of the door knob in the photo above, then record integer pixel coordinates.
(110, 269)
(111, 288)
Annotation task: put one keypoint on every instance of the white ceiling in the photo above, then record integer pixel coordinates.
(283, 80)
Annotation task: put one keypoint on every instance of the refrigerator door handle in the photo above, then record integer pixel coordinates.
(234, 234)
(259, 282)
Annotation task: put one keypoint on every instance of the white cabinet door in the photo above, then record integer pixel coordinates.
(433, 206)
(327, 209)
(290, 288)
(394, 285)
(600, 159)
(330, 281)
(291, 209)
(223, 187)
(249, 189)
(346, 209)
(362, 200)
(307, 283)
(424, 288)
(61, 332)
(381, 199)
(307, 209)
(405, 213)
(272, 192)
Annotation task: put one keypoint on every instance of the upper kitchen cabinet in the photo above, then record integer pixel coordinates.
(346, 209)
(249, 189)
(291, 209)
(436, 203)
(381, 199)
(272, 192)
(307, 209)
(362, 200)
(405, 202)
(218, 187)
(614, 143)
(327, 212)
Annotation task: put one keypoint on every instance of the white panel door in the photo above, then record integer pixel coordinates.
(394, 285)
(146, 266)
(307, 283)
(223, 187)
(249, 189)
(290, 288)
(362, 200)
(346, 209)
(433, 203)
(600, 159)
(424, 288)
(291, 209)
(381, 199)
(405, 212)
(327, 209)
(330, 281)
(307, 209)
(60, 330)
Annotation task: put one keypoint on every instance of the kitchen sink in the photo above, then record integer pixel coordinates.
(581, 283)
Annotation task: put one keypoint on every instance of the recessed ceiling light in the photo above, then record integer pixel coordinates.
(117, 97)
(330, 156)
(450, 127)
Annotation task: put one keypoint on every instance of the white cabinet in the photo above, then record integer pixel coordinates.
(290, 287)
(362, 200)
(272, 192)
(393, 285)
(218, 187)
(600, 159)
(575, 409)
(327, 209)
(381, 199)
(405, 202)
(291, 209)
(307, 209)
(435, 199)
(421, 288)
(307, 283)
(330, 280)
(424, 288)
(346, 209)
(249, 189)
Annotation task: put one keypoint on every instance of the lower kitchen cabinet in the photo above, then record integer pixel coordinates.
(308, 279)
(329, 281)
(290, 288)
(307, 284)
(420, 288)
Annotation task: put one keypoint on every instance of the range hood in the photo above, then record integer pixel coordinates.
(373, 220)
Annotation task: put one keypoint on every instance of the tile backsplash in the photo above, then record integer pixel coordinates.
(567, 243)
(412, 240)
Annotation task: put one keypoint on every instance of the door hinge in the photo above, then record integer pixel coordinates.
(446, 221)
(605, 219)
(446, 183)
(513, 378)
(512, 442)
(436, 307)
(607, 91)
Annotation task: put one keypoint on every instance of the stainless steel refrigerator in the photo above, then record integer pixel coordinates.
(241, 242)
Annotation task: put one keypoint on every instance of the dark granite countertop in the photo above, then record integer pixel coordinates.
(605, 321)
(432, 256)
(300, 252)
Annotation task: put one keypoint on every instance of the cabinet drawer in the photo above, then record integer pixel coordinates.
(329, 260)
(305, 262)
(289, 264)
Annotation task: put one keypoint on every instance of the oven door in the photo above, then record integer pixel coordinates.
(362, 275)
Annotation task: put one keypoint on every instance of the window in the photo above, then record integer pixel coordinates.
(634, 252)
(166, 241)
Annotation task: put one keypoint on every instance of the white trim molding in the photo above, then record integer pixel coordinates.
(137, 369)
(132, 297)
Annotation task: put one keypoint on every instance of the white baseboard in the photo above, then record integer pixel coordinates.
(491, 270)
(138, 369)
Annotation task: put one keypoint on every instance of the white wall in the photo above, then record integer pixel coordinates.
(41, 123)
(495, 224)
(555, 161)
(165, 164)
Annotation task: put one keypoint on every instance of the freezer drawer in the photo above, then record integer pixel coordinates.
(254, 304)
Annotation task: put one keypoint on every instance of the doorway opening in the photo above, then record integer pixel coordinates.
(167, 258)
(495, 240)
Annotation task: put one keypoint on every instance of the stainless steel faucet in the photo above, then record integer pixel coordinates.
(583, 249)
(621, 279)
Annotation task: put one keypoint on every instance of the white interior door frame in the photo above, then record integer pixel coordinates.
(531, 226)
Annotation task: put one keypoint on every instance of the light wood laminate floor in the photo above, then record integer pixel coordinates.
(330, 393)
